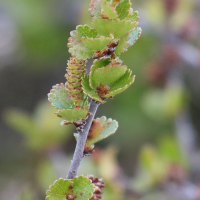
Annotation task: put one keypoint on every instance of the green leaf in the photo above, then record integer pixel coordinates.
(89, 91)
(76, 46)
(123, 42)
(58, 97)
(80, 188)
(97, 44)
(133, 17)
(121, 84)
(115, 26)
(109, 74)
(109, 128)
(59, 189)
(72, 115)
(123, 9)
(134, 36)
(86, 31)
(108, 10)
(96, 129)
(95, 9)
(102, 62)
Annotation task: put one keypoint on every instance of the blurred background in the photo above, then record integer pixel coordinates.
(155, 152)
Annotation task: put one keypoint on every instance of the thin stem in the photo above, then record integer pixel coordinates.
(78, 154)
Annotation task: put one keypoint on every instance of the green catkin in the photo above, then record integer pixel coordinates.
(75, 72)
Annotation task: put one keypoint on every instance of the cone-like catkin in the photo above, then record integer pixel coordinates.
(75, 72)
(99, 185)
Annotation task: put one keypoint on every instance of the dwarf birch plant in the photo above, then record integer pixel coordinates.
(113, 29)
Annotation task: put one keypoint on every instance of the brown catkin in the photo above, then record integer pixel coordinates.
(75, 72)
(98, 189)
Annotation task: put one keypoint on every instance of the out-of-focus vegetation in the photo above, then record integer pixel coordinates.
(152, 155)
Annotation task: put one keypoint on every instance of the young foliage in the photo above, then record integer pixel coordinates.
(111, 32)
(80, 188)
(101, 129)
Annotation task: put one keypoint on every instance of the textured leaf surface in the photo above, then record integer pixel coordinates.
(85, 31)
(95, 131)
(109, 128)
(123, 42)
(59, 98)
(97, 64)
(133, 17)
(115, 26)
(59, 190)
(72, 115)
(80, 188)
(108, 10)
(89, 91)
(109, 74)
(97, 44)
(95, 9)
(121, 85)
(76, 46)
(134, 36)
(123, 9)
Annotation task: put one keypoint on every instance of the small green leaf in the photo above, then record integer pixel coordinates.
(109, 74)
(109, 128)
(76, 46)
(123, 42)
(133, 17)
(123, 9)
(58, 97)
(108, 10)
(97, 64)
(59, 189)
(82, 188)
(95, 9)
(86, 31)
(121, 85)
(97, 44)
(79, 50)
(72, 115)
(117, 27)
(89, 91)
(134, 36)
(79, 188)
(96, 129)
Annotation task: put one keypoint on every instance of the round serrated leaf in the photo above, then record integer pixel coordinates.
(123, 9)
(80, 51)
(108, 10)
(109, 128)
(109, 74)
(59, 189)
(89, 91)
(72, 115)
(96, 129)
(97, 64)
(115, 26)
(82, 188)
(97, 44)
(59, 98)
(85, 31)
